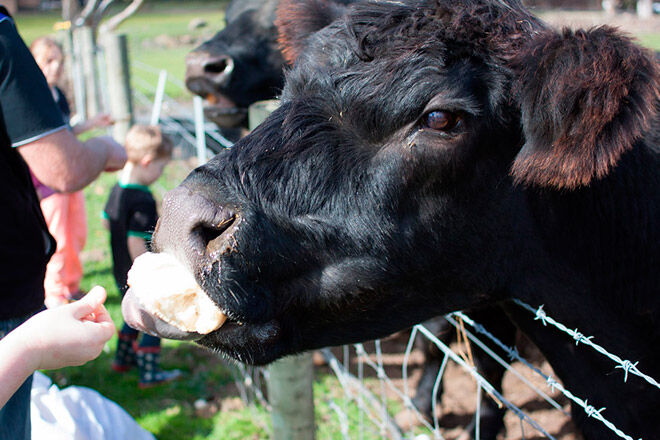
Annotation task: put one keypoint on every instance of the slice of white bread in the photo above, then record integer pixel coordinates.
(169, 291)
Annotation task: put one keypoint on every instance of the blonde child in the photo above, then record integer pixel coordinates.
(64, 212)
(131, 216)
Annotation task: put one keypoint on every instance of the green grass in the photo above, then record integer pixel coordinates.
(651, 41)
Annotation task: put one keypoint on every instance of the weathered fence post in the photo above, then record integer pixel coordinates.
(88, 58)
(119, 84)
(645, 8)
(290, 380)
(291, 397)
(77, 75)
(609, 6)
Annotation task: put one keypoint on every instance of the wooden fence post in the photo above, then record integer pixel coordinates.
(291, 379)
(291, 397)
(119, 84)
(645, 8)
(88, 58)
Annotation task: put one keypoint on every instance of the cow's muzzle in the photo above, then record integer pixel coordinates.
(194, 229)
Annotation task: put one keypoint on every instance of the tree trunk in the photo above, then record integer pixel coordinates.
(119, 84)
(609, 6)
(70, 9)
(118, 19)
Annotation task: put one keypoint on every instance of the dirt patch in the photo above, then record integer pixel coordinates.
(459, 399)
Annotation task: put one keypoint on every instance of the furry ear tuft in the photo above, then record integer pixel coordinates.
(586, 97)
(298, 19)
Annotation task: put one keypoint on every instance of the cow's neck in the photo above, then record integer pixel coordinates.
(594, 267)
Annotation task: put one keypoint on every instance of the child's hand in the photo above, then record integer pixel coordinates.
(69, 335)
(101, 120)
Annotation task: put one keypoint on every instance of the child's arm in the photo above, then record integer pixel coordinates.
(99, 121)
(65, 336)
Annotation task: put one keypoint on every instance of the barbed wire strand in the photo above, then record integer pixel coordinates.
(482, 382)
(626, 365)
(552, 383)
(512, 355)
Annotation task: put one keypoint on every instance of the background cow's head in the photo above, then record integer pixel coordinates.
(240, 65)
(243, 63)
(393, 182)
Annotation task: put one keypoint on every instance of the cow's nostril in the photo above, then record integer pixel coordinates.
(212, 237)
(222, 65)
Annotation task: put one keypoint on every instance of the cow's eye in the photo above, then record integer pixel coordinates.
(440, 120)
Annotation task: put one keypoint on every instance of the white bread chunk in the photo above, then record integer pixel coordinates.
(169, 291)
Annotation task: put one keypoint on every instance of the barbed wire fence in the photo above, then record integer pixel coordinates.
(370, 389)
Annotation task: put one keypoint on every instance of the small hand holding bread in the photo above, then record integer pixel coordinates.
(169, 291)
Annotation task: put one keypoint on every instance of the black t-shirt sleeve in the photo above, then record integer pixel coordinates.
(26, 101)
(142, 221)
(63, 104)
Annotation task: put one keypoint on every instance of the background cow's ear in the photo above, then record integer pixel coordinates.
(298, 19)
(586, 97)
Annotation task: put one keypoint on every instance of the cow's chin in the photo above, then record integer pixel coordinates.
(226, 117)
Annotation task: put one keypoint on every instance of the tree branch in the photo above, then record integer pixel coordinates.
(88, 10)
(118, 19)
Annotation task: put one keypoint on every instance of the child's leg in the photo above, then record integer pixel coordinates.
(77, 232)
(56, 212)
(149, 341)
(125, 355)
(148, 360)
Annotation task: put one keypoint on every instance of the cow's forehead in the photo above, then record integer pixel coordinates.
(393, 58)
(486, 29)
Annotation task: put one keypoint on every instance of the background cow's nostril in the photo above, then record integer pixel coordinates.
(222, 65)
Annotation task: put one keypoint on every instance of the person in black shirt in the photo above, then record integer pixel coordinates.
(32, 132)
(131, 216)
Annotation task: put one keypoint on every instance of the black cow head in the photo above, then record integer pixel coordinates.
(244, 63)
(393, 183)
(240, 65)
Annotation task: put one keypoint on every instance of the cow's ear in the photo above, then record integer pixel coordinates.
(298, 19)
(586, 97)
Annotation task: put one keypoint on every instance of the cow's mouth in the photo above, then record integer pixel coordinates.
(223, 111)
(232, 333)
(163, 303)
